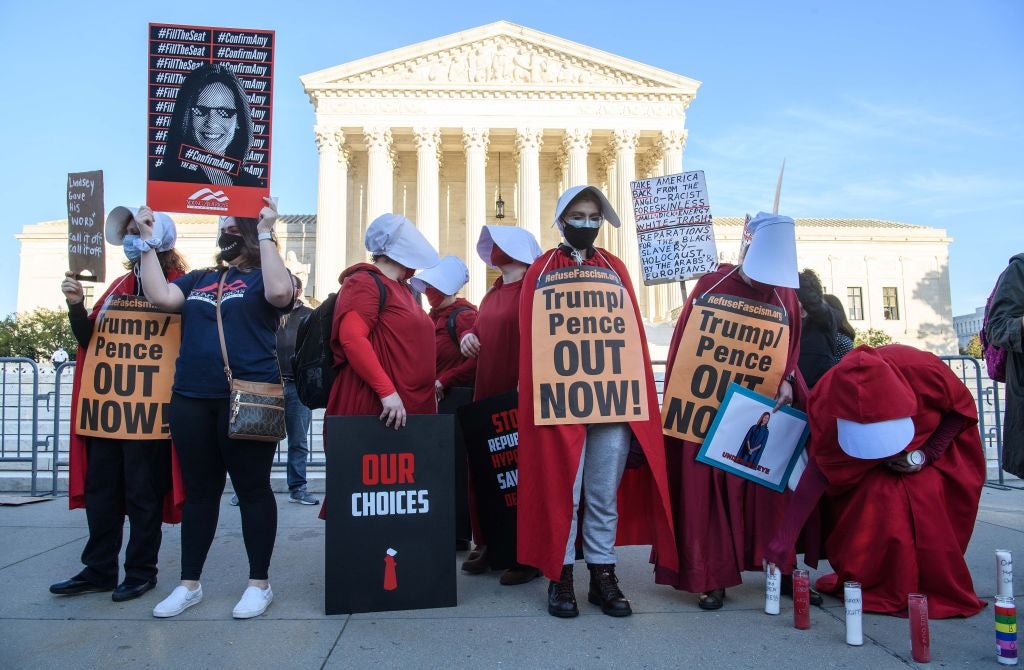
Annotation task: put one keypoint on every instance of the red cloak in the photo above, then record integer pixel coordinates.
(453, 369)
(497, 327)
(549, 456)
(78, 461)
(724, 522)
(402, 337)
(898, 534)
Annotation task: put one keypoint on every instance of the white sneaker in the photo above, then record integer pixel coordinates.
(179, 601)
(254, 602)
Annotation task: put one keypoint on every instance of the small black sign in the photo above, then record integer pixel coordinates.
(391, 522)
(490, 429)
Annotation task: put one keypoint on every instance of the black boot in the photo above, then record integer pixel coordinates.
(562, 596)
(604, 591)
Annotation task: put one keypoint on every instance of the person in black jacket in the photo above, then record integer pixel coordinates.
(1005, 329)
(822, 344)
(296, 415)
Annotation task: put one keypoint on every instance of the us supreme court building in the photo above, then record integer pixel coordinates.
(449, 131)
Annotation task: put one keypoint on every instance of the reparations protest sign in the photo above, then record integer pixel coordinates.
(726, 339)
(86, 253)
(673, 227)
(209, 108)
(588, 362)
(129, 371)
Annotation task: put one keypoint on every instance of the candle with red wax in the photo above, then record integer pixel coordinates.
(801, 599)
(920, 643)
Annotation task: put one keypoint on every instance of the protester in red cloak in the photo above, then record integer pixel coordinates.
(453, 317)
(724, 522)
(553, 460)
(119, 470)
(494, 343)
(384, 356)
(895, 451)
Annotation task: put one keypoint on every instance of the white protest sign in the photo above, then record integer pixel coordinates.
(673, 227)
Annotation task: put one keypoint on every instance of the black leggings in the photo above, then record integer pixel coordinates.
(199, 429)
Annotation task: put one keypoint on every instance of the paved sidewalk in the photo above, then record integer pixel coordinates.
(493, 626)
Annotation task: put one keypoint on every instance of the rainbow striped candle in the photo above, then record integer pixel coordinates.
(1006, 630)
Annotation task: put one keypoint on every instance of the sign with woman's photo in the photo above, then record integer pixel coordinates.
(209, 119)
(750, 440)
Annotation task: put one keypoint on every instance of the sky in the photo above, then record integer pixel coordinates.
(904, 110)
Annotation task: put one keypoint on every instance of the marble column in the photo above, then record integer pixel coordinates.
(528, 143)
(657, 295)
(624, 144)
(475, 142)
(428, 147)
(672, 144)
(577, 146)
(380, 175)
(331, 208)
(610, 236)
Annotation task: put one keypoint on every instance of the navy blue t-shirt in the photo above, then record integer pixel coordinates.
(250, 331)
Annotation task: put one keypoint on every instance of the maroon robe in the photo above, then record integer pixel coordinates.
(497, 328)
(453, 369)
(903, 533)
(724, 522)
(549, 456)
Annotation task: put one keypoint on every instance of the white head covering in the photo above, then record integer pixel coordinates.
(396, 237)
(517, 242)
(448, 276)
(607, 211)
(874, 440)
(770, 257)
(164, 232)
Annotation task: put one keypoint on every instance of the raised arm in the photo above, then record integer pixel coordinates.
(166, 296)
(277, 281)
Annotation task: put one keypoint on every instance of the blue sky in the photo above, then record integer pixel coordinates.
(907, 110)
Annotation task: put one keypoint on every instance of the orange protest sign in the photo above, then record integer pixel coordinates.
(588, 362)
(129, 371)
(726, 339)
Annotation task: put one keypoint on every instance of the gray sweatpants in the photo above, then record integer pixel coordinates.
(601, 466)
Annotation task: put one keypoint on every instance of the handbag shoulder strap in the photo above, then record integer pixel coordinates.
(220, 328)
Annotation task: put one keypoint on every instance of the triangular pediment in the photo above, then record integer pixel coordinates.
(498, 55)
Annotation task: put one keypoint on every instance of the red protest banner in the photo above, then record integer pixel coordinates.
(209, 119)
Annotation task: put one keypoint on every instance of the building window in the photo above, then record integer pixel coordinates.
(890, 304)
(88, 292)
(855, 303)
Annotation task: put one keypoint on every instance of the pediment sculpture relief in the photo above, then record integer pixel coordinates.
(499, 60)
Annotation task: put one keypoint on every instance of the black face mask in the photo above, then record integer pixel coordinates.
(230, 246)
(579, 238)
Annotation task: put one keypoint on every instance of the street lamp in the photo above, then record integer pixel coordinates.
(499, 204)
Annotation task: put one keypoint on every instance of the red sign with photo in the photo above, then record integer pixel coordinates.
(209, 119)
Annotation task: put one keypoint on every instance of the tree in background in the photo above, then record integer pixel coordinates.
(973, 348)
(873, 337)
(36, 334)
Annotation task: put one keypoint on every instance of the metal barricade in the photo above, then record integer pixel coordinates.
(19, 415)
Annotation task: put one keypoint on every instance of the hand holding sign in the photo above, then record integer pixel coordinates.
(144, 219)
(72, 288)
(267, 216)
(784, 396)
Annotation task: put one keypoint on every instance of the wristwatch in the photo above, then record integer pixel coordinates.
(791, 378)
(265, 236)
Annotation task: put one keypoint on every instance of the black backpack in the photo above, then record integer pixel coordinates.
(313, 360)
(452, 333)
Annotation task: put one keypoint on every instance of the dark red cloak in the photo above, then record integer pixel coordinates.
(497, 328)
(549, 456)
(723, 522)
(77, 453)
(926, 519)
(453, 369)
(402, 337)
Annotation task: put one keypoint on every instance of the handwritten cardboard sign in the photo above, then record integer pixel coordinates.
(674, 227)
(726, 339)
(588, 364)
(86, 252)
(129, 371)
(209, 119)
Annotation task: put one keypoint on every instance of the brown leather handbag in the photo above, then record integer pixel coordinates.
(256, 408)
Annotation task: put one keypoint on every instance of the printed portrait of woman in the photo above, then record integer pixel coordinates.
(753, 443)
(210, 133)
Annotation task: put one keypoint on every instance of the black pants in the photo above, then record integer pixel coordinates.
(199, 428)
(124, 477)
